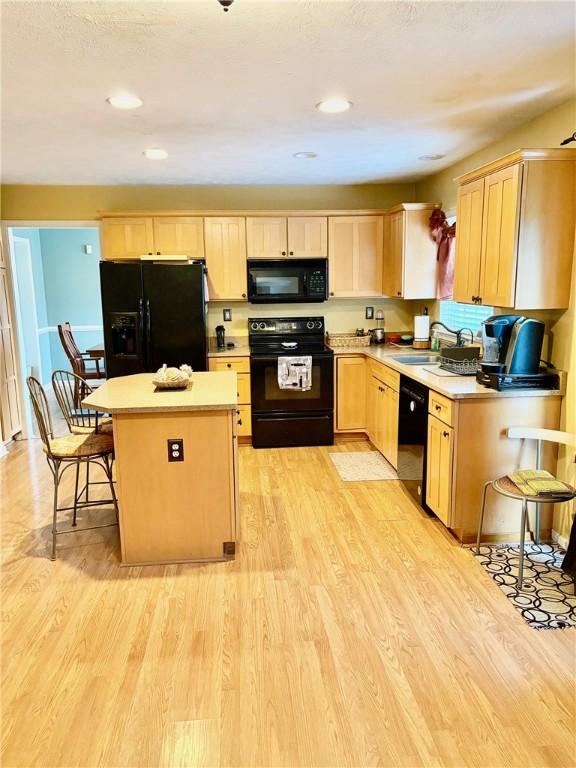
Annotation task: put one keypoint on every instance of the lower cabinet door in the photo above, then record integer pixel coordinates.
(375, 412)
(243, 420)
(390, 416)
(439, 469)
(350, 393)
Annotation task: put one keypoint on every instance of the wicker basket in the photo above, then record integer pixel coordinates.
(347, 340)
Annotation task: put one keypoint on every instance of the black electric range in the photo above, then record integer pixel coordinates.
(290, 417)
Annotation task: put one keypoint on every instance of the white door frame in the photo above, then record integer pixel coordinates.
(6, 234)
(14, 240)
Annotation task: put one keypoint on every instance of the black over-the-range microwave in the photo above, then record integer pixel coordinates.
(280, 281)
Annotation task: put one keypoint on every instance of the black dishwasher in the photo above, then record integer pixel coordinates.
(412, 437)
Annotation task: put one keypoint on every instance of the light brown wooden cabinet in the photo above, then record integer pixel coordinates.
(277, 237)
(350, 393)
(383, 410)
(179, 236)
(515, 231)
(243, 410)
(225, 243)
(355, 256)
(127, 238)
(133, 237)
(439, 469)
(409, 264)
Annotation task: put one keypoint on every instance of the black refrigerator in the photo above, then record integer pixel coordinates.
(153, 313)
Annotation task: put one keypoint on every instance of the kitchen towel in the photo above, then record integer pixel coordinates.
(295, 373)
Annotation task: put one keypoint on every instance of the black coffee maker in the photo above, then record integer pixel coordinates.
(220, 337)
(512, 351)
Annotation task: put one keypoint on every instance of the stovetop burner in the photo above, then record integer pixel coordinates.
(282, 335)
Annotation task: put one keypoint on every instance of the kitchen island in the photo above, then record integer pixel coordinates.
(176, 467)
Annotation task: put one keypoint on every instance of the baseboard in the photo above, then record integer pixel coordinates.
(562, 541)
(350, 437)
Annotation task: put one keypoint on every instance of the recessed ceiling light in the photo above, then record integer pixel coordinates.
(333, 106)
(305, 155)
(155, 153)
(125, 101)
(430, 157)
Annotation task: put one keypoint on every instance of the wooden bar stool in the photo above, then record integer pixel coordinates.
(72, 450)
(505, 487)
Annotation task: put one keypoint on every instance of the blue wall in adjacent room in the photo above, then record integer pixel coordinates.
(72, 286)
(33, 236)
(66, 288)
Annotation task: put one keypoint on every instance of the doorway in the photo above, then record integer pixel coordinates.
(55, 279)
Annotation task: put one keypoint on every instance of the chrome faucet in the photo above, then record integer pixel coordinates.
(458, 333)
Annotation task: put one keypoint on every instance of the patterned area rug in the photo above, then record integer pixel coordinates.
(547, 599)
(363, 465)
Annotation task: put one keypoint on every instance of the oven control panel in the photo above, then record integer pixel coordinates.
(285, 325)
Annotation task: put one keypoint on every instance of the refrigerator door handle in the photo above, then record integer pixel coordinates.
(148, 324)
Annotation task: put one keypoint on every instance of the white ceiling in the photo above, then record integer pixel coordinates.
(231, 95)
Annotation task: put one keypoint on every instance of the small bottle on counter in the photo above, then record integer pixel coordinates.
(435, 342)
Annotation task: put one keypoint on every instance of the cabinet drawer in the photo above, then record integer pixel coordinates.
(244, 420)
(441, 407)
(387, 376)
(243, 384)
(238, 364)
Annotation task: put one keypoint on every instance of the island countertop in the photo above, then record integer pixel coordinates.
(208, 391)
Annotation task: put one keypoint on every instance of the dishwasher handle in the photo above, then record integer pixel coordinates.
(410, 394)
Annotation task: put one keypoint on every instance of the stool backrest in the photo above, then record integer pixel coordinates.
(541, 436)
(70, 390)
(41, 410)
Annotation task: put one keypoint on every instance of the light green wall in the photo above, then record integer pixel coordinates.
(545, 131)
(82, 203)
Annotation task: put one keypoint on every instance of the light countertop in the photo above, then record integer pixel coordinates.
(241, 348)
(454, 387)
(208, 391)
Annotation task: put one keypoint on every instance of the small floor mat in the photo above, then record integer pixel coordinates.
(547, 599)
(363, 465)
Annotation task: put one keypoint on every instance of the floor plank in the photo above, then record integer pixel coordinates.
(351, 630)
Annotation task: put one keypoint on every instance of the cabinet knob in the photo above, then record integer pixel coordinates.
(479, 299)
(398, 293)
(438, 407)
(331, 293)
(157, 253)
(149, 253)
(283, 253)
(243, 295)
(229, 365)
(239, 422)
(445, 434)
(291, 253)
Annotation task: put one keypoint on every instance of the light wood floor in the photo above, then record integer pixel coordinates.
(350, 631)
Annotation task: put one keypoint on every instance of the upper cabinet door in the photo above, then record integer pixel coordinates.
(127, 238)
(179, 235)
(500, 236)
(355, 256)
(393, 279)
(266, 237)
(308, 237)
(469, 208)
(226, 257)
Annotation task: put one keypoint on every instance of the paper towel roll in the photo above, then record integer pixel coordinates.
(422, 327)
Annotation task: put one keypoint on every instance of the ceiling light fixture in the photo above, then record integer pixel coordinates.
(155, 153)
(125, 101)
(305, 155)
(225, 5)
(334, 106)
(430, 157)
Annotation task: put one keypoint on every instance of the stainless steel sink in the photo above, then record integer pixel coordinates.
(415, 359)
